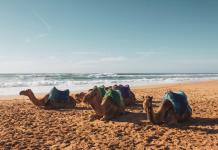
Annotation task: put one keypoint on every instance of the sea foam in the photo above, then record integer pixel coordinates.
(11, 84)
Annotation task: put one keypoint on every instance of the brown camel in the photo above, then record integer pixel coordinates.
(128, 96)
(174, 109)
(47, 103)
(103, 105)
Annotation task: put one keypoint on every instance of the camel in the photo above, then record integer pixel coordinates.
(174, 109)
(104, 104)
(128, 96)
(79, 97)
(49, 102)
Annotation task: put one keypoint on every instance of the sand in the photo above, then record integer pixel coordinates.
(22, 125)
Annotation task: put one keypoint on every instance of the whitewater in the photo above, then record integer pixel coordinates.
(11, 84)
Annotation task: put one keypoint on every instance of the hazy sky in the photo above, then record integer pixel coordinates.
(108, 36)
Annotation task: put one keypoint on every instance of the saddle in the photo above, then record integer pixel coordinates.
(116, 97)
(124, 89)
(179, 101)
(59, 99)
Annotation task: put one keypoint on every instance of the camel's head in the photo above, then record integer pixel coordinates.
(92, 95)
(149, 100)
(25, 92)
(80, 96)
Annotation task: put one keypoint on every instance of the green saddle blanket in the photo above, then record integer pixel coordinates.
(116, 96)
(102, 90)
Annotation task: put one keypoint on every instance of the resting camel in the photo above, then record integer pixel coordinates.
(174, 109)
(106, 105)
(128, 96)
(54, 100)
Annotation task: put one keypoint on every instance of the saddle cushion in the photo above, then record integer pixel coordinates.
(58, 98)
(179, 101)
(116, 96)
(125, 90)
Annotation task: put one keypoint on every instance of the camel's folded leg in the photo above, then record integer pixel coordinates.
(186, 116)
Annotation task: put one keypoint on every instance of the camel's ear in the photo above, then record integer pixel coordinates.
(149, 97)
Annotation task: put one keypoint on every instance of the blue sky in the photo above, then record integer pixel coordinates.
(108, 36)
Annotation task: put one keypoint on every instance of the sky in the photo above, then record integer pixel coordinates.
(87, 36)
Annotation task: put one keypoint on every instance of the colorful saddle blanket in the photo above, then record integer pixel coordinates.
(59, 98)
(116, 96)
(179, 101)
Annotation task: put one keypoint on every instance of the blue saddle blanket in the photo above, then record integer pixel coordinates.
(125, 90)
(58, 96)
(179, 101)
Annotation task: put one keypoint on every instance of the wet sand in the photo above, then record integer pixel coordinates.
(22, 125)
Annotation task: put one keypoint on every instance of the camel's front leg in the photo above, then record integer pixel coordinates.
(109, 109)
(159, 117)
(98, 111)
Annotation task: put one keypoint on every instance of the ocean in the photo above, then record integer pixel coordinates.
(11, 84)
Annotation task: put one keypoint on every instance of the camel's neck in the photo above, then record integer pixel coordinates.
(96, 106)
(153, 117)
(150, 113)
(33, 98)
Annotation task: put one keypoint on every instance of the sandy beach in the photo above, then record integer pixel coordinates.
(22, 125)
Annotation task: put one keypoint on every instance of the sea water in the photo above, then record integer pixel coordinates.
(11, 84)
